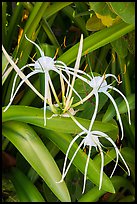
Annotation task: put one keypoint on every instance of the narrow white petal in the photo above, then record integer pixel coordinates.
(102, 166)
(76, 67)
(78, 76)
(69, 69)
(86, 168)
(112, 75)
(77, 63)
(99, 133)
(115, 163)
(73, 157)
(64, 172)
(41, 52)
(117, 152)
(14, 82)
(117, 111)
(95, 111)
(45, 97)
(126, 101)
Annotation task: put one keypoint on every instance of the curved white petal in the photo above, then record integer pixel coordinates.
(117, 152)
(95, 111)
(41, 52)
(86, 169)
(126, 101)
(102, 166)
(73, 157)
(71, 70)
(115, 163)
(14, 82)
(66, 157)
(45, 97)
(76, 67)
(112, 75)
(78, 76)
(117, 111)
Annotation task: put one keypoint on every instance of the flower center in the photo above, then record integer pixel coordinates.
(44, 64)
(99, 84)
(91, 140)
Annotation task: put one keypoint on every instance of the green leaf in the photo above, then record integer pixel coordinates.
(31, 147)
(126, 10)
(25, 189)
(34, 116)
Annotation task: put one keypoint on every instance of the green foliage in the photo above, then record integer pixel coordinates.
(39, 151)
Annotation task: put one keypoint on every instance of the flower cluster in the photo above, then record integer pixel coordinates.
(98, 84)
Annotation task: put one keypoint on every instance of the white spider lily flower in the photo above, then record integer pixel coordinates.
(99, 85)
(91, 140)
(43, 65)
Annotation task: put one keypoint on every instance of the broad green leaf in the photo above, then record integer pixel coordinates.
(32, 148)
(25, 189)
(63, 140)
(126, 10)
(34, 116)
